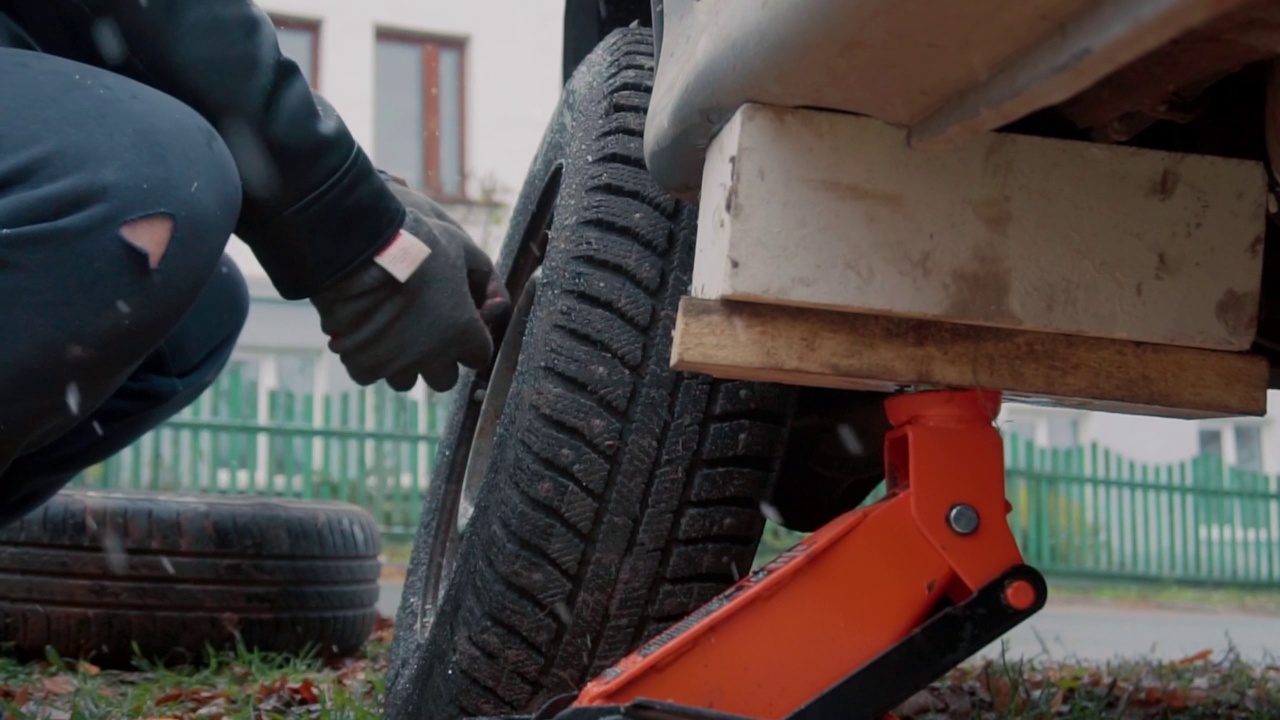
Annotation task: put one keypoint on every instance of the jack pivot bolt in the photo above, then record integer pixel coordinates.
(963, 519)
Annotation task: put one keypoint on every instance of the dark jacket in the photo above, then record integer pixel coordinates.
(314, 206)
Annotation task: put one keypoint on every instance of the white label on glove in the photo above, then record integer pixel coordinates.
(403, 255)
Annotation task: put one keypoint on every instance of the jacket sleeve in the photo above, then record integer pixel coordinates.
(314, 205)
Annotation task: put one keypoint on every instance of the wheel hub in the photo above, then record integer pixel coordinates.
(495, 399)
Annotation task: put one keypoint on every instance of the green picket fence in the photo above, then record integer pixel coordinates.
(370, 447)
(1079, 511)
(1088, 511)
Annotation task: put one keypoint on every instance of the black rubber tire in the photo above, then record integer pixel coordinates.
(834, 458)
(621, 495)
(90, 574)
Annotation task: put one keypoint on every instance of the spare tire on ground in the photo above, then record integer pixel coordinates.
(92, 574)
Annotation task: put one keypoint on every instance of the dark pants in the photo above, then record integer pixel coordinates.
(99, 343)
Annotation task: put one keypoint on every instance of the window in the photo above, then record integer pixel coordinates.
(418, 112)
(1249, 447)
(1211, 442)
(300, 42)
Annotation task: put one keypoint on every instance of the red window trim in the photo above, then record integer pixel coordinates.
(309, 26)
(431, 45)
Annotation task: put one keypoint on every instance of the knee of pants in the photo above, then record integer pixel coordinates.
(232, 292)
(202, 342)
(85, 155)
(195, 184)
(95, 152)
(189, 184)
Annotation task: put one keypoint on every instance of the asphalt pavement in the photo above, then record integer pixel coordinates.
(1103, 632)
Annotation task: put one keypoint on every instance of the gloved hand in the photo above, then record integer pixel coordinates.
(425, 322)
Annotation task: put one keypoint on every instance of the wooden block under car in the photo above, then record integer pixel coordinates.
(819, 209)
(822, 348)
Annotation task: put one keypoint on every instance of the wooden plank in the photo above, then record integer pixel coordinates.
(821, 209)
(1103, 38)
(821, 348)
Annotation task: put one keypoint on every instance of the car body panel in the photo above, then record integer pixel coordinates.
(953, 68)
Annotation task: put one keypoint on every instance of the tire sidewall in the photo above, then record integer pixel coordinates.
(426, 678)
(408, 645)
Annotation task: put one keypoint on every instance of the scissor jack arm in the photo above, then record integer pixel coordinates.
(864, 612)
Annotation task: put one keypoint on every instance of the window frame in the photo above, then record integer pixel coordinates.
(430, 44)
(307, 25)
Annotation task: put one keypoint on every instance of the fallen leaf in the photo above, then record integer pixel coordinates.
(383, 629)
(306, 690)
(191, 695)
(1196, 697)
(959, 702)
(1146, 697)
(999, 690)
(1193, 659)
(270, 689)
(352, 671)
(280, 694)
(215, 710)
(58, 685)
(921, 703)
(171, 697)
(23, 696)
(1056, 703)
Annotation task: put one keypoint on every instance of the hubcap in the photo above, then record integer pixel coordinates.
(495, 399)
(482, 413)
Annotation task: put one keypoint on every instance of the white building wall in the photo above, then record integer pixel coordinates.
(512, 67)
(512, 83)
(1144, 439)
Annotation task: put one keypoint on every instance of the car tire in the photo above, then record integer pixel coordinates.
(98, 575)
(619, 495)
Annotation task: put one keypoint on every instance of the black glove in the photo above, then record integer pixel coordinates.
(426, 325)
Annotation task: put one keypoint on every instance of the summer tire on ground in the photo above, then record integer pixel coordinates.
(91, 574)
(617, 495)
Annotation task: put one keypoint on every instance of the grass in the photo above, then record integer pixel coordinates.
(397, 552)
(254, 686)
(250, 685)
(242, 684)
(1193, 688)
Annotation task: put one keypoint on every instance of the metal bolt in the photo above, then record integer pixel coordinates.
(963, 519)
(478, 395)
